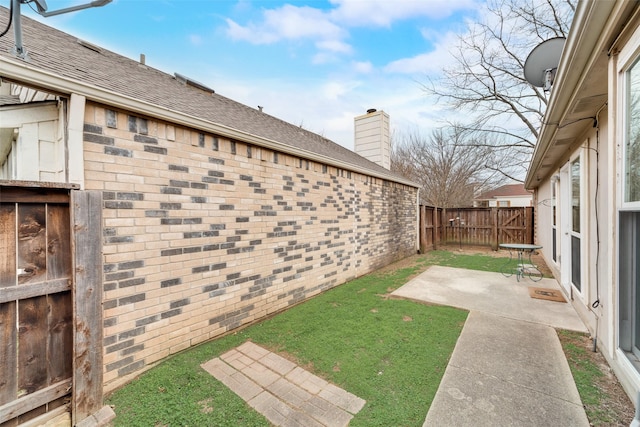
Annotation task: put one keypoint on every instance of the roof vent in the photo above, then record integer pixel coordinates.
(193, 83)
(89, 46)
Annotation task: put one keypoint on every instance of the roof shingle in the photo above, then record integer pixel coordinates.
(509, 190)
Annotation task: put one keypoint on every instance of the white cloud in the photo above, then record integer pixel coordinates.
(328, 29)
(362, 67)
(427, 62)
(334, 46)
(384, 12)
(323, 58)
(334, 90)
(287, 23)
(250, 33)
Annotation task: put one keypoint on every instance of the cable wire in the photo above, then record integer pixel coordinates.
(6, 30)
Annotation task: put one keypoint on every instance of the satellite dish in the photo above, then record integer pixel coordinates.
(542, 63)
(41, 5)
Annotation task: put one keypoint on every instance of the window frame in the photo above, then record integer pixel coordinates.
(628, 58)
(626, 287)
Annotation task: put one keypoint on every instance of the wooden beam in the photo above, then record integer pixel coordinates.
(87, 396)
(34, 289)
(34, 192)
(31, 401)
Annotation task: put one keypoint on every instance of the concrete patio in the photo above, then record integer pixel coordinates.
(508, 367)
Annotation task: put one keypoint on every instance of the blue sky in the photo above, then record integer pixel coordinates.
(314, 63)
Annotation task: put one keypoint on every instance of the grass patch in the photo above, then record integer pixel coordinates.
(478, 261)
(604, 401)
(392, 353)
(583, 370)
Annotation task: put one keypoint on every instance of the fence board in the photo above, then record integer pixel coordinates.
(32, 243)
(34, 289)
(33, 401)
(87, 364)
(32, 342)
(60, 348)
(8, 353)
(430, 229)
(7, 244)
(58, 241)
(475, 226)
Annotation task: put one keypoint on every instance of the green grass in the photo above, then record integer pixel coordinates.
(392, 353)
(587, 375)
(471, 262)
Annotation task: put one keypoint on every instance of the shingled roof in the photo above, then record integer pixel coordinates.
(509, 190)
(63, 55)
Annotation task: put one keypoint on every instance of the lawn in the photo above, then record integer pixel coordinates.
(390, 352)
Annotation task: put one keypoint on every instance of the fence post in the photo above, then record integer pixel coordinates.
(423, 237)
(528, 214)
(434, 221)
(86, 214)
(494, 229)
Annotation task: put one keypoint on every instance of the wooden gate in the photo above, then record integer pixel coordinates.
(36, 329)
(515, 225)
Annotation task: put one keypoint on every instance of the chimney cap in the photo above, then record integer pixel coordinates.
(371, 110)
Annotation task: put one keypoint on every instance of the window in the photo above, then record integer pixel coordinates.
(575, 195)
(629, 214)
(629, 282)
(632, 137)
(554, 221)
(576, 253)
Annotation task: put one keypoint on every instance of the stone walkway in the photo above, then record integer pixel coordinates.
(283, 392)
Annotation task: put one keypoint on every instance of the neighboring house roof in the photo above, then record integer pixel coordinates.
(73, 66)
(505, 192)
(579, 91)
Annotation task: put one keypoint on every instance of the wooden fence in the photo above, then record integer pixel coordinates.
(50, 303)
(475, 226)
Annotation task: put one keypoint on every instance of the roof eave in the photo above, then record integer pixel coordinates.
(20, 71)
(589, 28)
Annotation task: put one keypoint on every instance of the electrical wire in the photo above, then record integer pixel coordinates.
(6, 30)
(596, 124)
(596, 303)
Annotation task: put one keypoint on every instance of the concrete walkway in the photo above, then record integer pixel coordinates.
(508, 367)
(283, 392)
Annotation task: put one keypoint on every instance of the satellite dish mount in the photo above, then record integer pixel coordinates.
(542, 63)
(41, 8)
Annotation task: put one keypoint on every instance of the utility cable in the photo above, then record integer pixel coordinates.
(6, 30)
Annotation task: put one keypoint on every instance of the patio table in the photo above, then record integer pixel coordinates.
(521, 268)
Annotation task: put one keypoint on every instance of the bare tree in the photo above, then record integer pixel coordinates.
(450, 165)
(487, 81)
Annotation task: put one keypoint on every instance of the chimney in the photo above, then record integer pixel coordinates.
(372, 138)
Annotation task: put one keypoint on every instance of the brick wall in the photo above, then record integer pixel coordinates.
(202, 234)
